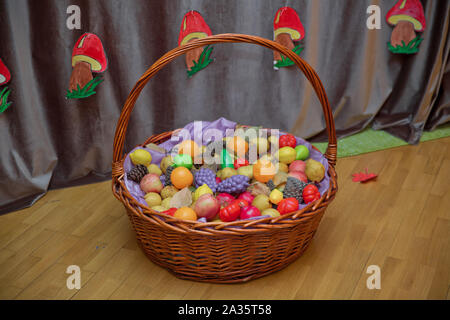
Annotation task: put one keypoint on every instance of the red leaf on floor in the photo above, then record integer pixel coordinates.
(363, 176)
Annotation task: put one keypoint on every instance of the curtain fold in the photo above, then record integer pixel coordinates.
(48, 141)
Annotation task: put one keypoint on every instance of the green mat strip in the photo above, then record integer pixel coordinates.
(370, 140)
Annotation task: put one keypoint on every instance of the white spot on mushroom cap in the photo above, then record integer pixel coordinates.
(2, 78)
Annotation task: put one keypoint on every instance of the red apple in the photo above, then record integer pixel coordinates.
(224, 199)
(207, 206)
(297, 165)
(299, 175)
(241, 202)
(151, 183)
(247, 196)
(249, 211)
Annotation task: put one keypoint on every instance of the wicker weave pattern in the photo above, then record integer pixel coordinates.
(217, 251)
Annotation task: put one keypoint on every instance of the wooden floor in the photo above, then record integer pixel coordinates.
(401, 223)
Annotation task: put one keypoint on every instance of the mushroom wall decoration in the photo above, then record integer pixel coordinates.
(287, 28)
(5, 76)
(193, 26)
(407, 17)
(88, 56)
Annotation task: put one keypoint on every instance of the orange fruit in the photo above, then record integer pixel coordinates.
(185, 213)
(189, 147)
(263, 170)
(181, 177)
(237, 145)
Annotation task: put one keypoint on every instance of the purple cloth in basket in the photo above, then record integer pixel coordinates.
(221, 124)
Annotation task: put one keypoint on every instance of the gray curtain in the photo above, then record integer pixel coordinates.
(48, 141)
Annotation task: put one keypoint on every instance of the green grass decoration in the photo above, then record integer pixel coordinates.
(4, 99)
(410, 48)
(286, 62)
(203, 61)
(86, 91)
(370, 140)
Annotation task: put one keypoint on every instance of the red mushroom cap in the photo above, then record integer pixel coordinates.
(193, 26)
(287, 21)
(5, 75)
(89, 49)
(407, 10)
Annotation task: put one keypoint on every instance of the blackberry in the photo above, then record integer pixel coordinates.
(234, 185)
(294, 189)
(271, 185)
(137, 173)
(167, 181)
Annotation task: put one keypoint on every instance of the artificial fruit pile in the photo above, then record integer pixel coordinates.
(233, 188)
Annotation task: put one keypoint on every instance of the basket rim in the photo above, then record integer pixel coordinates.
(306, 69)
(240, 226)
(243, 226)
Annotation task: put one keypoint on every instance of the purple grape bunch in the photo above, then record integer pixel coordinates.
(205, 176)
(234, 184)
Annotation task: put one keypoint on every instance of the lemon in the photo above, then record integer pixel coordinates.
(276, 196)
(141, 156)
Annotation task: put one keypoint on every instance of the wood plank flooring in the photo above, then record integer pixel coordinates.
(400, 223)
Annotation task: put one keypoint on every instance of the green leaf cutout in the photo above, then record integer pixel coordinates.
(286, 62)
(86, 91)
(202, 62)
(410, 48)
(4, 94)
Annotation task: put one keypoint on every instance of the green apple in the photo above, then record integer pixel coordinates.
(302, 152)
(183, 160)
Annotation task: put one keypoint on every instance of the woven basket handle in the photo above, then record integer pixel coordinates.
(308, 71)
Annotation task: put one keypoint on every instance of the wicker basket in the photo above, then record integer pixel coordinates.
(217, 251)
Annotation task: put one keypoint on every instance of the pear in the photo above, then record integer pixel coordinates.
(153, 199)
(262, 202)
(159, 208)
(166, 203)
(279, 178)
(227, 173)
(283, 167)
(246, 171)
(153, 168)
(165, 162)
(257, 188)
(315, 171)
(168, 191)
